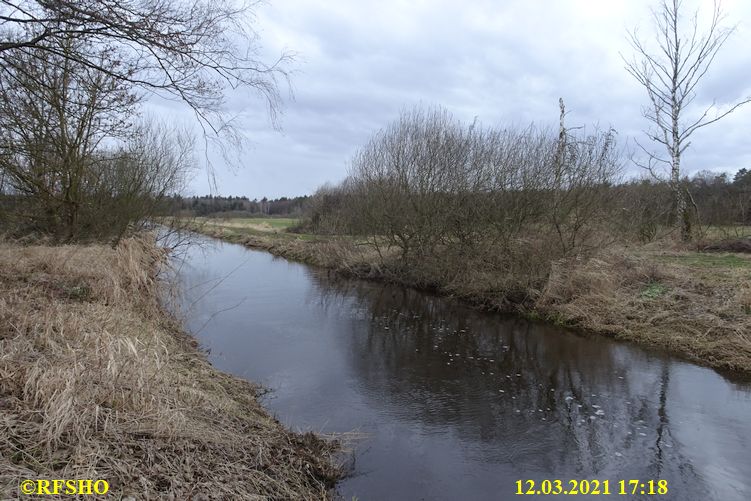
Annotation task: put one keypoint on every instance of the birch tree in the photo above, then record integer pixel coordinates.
(671, 75)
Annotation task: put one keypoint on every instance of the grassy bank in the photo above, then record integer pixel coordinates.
(97, 381)
(258, 224)
(694, 304)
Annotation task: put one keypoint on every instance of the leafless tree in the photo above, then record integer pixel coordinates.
(434, 189)
(134, 179)
(73, 154)
(585, 167)
(191, 50)
(54, 114)
(671, 75)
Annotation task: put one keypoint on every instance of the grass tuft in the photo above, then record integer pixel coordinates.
(653, 290)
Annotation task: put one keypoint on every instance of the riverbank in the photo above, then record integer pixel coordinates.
(695, 305)
(97, 381)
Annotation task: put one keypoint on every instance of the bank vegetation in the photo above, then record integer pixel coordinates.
(97, 381)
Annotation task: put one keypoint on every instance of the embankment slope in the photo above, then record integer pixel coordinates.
(97, 381)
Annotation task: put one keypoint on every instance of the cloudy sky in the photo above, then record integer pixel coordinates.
(359, 63)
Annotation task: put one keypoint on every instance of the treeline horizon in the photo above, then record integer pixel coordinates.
(236, 206)
(721, 198)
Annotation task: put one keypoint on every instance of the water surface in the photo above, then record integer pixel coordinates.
(455, 403)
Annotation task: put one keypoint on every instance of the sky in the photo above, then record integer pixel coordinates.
(360, 63)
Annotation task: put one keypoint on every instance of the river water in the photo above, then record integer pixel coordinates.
(454, 403)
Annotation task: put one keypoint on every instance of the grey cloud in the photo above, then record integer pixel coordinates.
(360, 63)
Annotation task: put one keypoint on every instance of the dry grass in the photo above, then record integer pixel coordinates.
(341, 254)
(697, 309)
(96, 381)
(250, 225)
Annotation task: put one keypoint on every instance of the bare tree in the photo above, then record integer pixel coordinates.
(670, 76)
(432, 187)
(191, 50)
(584, 167)
(133, 181)
(74, 156)
(54, 114)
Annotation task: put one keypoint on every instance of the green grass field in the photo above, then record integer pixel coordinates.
(253, 226)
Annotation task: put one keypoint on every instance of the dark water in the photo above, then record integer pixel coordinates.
(460, 404)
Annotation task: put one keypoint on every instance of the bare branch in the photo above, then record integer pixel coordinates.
(192, 50)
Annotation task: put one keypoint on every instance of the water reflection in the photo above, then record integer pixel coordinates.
(546, 401)
(459, 403)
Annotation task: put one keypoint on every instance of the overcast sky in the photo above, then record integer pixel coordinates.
(361, 62)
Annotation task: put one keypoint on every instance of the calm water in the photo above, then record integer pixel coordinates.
(456, 403)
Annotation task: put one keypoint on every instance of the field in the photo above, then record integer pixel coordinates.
(258, 224)
(238, 229)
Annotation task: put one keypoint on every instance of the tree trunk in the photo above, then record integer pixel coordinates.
(682, 217)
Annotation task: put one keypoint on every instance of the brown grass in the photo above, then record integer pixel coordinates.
(700, 312)
(96, 381)
(696, 305)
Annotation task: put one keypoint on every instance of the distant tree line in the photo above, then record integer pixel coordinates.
(720, 200)
(211, 205)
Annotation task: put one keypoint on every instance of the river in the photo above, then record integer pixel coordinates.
(454, 403)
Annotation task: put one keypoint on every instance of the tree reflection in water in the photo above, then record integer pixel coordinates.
(548, 401)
